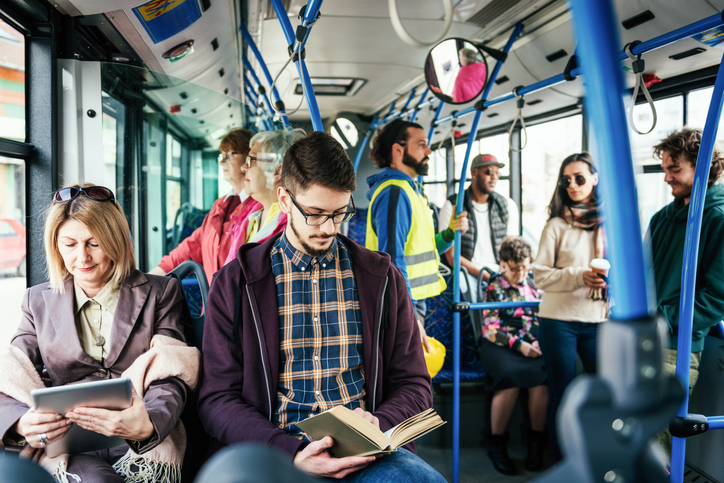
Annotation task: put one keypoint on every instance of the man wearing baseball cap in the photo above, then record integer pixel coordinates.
(491, 217)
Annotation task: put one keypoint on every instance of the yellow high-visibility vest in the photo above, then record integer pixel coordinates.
(421, 254)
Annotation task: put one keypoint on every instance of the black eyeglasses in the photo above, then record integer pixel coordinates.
(321, 218)
(491, 172)
(97, 193)
(565, 181)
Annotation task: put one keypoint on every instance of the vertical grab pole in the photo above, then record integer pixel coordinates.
(456, 270)
(598, 47)
(309, 17)
(262, 64)
(688, 272)
(362, 146)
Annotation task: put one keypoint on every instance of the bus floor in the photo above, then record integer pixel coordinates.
(475, 466)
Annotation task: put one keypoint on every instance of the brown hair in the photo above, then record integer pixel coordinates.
(685, 143)
(236, 140)
(560, 200)
(105, 221)
(514, 249)
(396, 132)
(317, 159)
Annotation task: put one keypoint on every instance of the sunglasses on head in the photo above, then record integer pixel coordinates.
(97, 193)
(565, 181)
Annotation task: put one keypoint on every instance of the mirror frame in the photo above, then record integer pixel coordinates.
(446, 98)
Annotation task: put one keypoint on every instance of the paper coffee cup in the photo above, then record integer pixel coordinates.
(600, 265)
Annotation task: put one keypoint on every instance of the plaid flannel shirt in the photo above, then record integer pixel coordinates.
(320, 333)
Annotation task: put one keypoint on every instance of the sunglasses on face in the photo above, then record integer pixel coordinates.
(565, 181)
(321, 218)
(97, 193)
(491, 172)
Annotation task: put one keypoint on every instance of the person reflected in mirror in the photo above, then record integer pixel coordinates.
(511, 355)
(209, 244)
(471, 76)
(93, 321)
(569, 314)
(399, 221)
(321, 322)
(666, 236)
(494, 217)
(263, 174)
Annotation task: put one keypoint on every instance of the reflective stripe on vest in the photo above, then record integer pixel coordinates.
(421, 254)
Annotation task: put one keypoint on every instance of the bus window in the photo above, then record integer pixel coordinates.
(548, 145)
(12, 83)
(697, 107)
(12, 244)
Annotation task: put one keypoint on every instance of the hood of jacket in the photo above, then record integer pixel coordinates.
(383, 175)
(714, 199)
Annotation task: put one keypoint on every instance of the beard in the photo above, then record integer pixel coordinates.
(311, 251)
(420, 167)
(481, 186)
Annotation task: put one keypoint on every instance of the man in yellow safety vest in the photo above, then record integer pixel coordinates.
(399, 220)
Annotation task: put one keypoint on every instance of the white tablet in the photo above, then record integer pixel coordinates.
(107, 394)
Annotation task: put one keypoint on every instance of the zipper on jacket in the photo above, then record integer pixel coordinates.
(377, 356)
(261, 350)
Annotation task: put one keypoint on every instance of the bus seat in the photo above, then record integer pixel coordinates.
(439, 324)
(14, 468)
(196, 294)
(357, 227)
(251, 463)
(187, 220)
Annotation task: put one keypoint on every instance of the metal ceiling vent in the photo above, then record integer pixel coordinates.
(333, 86)
(492, 12)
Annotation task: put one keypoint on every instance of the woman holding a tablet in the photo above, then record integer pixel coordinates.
(95, 320)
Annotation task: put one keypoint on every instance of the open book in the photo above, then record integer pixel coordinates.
(355, 436)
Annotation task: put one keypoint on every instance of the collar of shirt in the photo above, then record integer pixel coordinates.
(300, 259)
(105, 298)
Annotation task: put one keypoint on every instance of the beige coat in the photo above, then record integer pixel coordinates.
(147, 305)
(565, 252)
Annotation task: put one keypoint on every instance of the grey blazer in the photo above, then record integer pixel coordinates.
(147, 305)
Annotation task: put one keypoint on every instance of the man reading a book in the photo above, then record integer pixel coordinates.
(309, 320)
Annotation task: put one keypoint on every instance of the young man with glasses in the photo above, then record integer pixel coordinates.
(309, 320)
(399, 220)
(494, 217)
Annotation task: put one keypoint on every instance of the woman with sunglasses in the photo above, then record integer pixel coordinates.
(209, 244)
(93, 321)
(569, 313)
(263, 170)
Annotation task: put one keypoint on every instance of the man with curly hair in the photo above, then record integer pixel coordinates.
(667, 231)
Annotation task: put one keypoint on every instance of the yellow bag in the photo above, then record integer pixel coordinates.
(436, 357)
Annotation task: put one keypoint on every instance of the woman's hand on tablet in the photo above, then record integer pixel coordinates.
(131, 423)
(40, 429)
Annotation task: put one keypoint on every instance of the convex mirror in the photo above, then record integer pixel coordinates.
(456, 71)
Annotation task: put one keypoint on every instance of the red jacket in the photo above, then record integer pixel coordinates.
(238, 390)
(209, 244)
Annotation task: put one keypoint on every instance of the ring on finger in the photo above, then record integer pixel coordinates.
(42, 439)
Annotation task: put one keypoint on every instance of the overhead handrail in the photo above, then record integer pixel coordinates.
(259, 87)
(406, 37)
(689, 263)
(252, 45)
(638, 65)
(296, 44)
(420, 105)
(362, 145)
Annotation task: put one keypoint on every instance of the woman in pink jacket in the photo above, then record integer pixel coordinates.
(209, 244)
(263, 177)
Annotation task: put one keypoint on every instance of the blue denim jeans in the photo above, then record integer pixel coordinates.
(402, 466)
(560, 341)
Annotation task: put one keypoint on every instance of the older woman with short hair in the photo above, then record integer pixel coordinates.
(92, 321)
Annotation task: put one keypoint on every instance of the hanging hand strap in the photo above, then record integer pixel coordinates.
(638, 65)
(518, 117)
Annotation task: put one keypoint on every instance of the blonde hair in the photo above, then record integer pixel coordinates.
(105, 221)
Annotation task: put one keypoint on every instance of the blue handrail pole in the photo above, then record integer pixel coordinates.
(431, 131)
(456, 271)
(310, 15)
(598, 46)
(716, 422)
(251, 72)
(417, 108)
(720, 326)
(649, 45)
(362, 146)
(689, 268)
(262, 64)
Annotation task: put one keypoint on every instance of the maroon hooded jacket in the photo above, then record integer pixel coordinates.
(239, 381)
